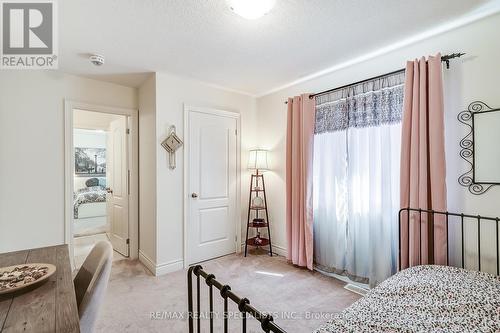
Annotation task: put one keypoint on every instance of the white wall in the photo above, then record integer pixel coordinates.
(147, 172)
(32, 151)
(89, 138)
(475, 77)
(172, 93)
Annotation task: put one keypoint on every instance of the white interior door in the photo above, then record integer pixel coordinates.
(212, 184)
(117, 183)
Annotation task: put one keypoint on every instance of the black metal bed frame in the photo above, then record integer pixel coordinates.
(267, 321)
(431, 214)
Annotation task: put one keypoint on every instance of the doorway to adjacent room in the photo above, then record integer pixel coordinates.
(99, 181)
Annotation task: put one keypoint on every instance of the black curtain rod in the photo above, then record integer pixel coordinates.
(359, 82)
(446, 58)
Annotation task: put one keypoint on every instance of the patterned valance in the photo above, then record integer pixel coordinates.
(372, 103)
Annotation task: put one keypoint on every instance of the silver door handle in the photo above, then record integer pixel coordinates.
(109, 190)
(194, 195)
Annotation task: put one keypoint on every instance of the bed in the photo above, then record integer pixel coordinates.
(89, 206)
(425, 299)
(422, 298)
(89, 196)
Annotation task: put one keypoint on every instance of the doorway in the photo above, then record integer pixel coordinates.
(212, 184)
(99, 181)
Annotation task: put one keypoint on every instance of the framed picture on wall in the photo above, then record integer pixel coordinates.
(90, 161)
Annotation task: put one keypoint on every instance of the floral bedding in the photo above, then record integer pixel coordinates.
(88, 195)
(425, 299)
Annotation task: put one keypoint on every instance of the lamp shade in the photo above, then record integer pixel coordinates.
(257, 159)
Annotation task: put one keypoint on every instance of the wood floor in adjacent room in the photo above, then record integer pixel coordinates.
(299, 300)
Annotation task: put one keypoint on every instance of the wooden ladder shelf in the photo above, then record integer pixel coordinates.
(257, 187)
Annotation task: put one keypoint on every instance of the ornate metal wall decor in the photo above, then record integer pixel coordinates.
(171, 144)
(467, 148)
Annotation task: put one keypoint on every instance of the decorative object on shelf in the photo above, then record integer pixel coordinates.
(258, 241)
(257, 201)
(171, 144)
(479, 147)
(259, 222)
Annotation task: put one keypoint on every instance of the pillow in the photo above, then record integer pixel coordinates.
(102, 181)
(92, 182)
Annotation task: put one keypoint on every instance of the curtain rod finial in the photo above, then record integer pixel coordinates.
(446, 58)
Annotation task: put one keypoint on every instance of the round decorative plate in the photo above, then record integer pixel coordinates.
(18, 277)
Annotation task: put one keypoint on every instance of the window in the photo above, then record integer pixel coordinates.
(357, 148)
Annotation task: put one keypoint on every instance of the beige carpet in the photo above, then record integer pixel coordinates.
(299, 300)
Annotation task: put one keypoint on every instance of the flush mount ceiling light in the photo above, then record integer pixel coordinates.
(251, 9)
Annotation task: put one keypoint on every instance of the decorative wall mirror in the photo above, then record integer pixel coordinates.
(481, 147)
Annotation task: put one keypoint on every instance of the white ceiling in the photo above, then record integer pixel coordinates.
(205, 40)
(83, 119)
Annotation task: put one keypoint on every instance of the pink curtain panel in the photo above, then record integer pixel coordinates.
(423, 168)
(299, 169)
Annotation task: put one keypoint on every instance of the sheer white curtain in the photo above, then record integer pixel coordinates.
(356, 183)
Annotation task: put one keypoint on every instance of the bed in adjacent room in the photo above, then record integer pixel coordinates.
(89, 206)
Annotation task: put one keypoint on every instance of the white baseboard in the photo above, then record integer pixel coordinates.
(280, 250)
(169, 267)
(357, 289)
(160, 269)
(147, 262)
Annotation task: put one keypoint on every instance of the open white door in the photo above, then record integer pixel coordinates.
(212, 184)
(117, 176)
